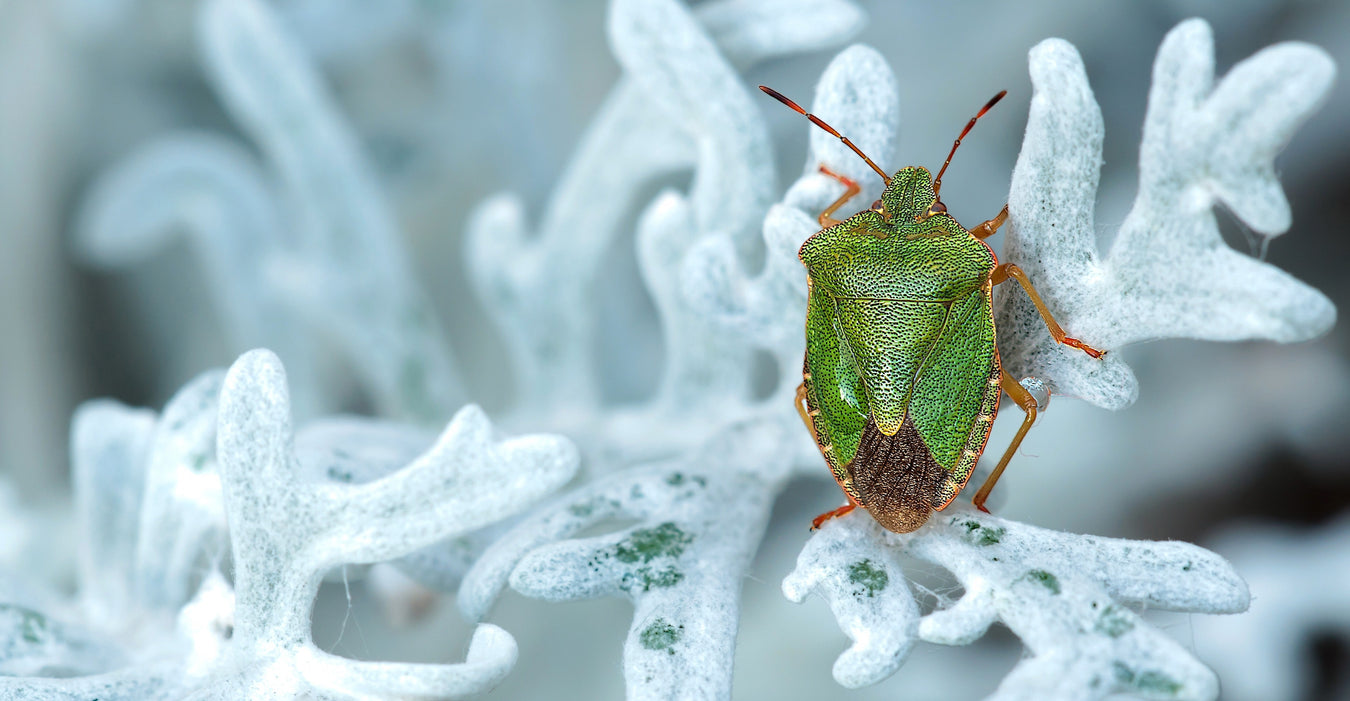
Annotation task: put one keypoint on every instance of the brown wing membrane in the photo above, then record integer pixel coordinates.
(896, 477)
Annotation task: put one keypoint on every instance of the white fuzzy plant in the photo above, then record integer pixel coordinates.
(1072, 599)
(162, 499)
(699, 466)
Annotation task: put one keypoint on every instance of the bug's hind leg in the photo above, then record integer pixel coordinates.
(826, 217)
(802, 410)
(1024, 399)
(815, 522)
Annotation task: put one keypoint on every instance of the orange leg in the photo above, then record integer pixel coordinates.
(802, 410)
(815, 522)
(984, 230)
(800, 403)
(826, 217)
(1024, 399)
(1009, 270)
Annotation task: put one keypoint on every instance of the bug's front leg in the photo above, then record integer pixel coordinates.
(852, 188)
(1019, 394)
(985, 229)
(1003, 272)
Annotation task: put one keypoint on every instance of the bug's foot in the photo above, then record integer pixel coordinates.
(980, 505)
(815, 523)
(847, 181)
(1075, 343)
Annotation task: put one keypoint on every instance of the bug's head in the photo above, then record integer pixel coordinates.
(913, 195)
(909, 197)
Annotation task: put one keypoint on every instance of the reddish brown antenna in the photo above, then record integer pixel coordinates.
(820, 123)
(937, 183)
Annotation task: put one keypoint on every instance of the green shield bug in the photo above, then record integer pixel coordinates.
(901, 380)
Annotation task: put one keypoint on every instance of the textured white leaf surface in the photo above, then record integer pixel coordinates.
(1167, 274)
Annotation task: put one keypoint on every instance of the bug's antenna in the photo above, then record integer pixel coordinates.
(818, 122)
(937, 184)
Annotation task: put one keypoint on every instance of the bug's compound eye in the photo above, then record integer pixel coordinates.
(933, 210)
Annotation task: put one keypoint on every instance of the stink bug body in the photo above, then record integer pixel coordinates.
(901, 380)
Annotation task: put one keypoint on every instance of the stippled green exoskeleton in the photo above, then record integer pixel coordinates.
(901, 380)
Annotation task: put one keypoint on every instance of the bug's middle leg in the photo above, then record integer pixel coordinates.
(985, 229)
(1001, 275)
(826, 217)
(1024, 399)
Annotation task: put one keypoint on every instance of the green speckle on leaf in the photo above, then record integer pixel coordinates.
(646, 579)
(646, 544)
(1148, 680)
(1157, 682)
(660, 635)
(979, 534)
(871, 578)
(199, 462)
(676, 479)
(1047, 580)
(1186, 567)
(1113, 622)
(582, 510)
(32, 625)
(338, 474)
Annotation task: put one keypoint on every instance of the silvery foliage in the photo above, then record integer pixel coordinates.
(1066, 596)
(699, 514)
(1168, 273)
(301, 246)
(162, 499)
(703, 460)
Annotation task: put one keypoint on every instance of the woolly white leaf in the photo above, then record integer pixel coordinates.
(675, 63)
(285, 534)
(865, 585)
(1066, 596)
(253, 641)
(109, 445)
(700, 521)
(858, 96)
(749, 31)
(182, 519)
(1168, 273)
